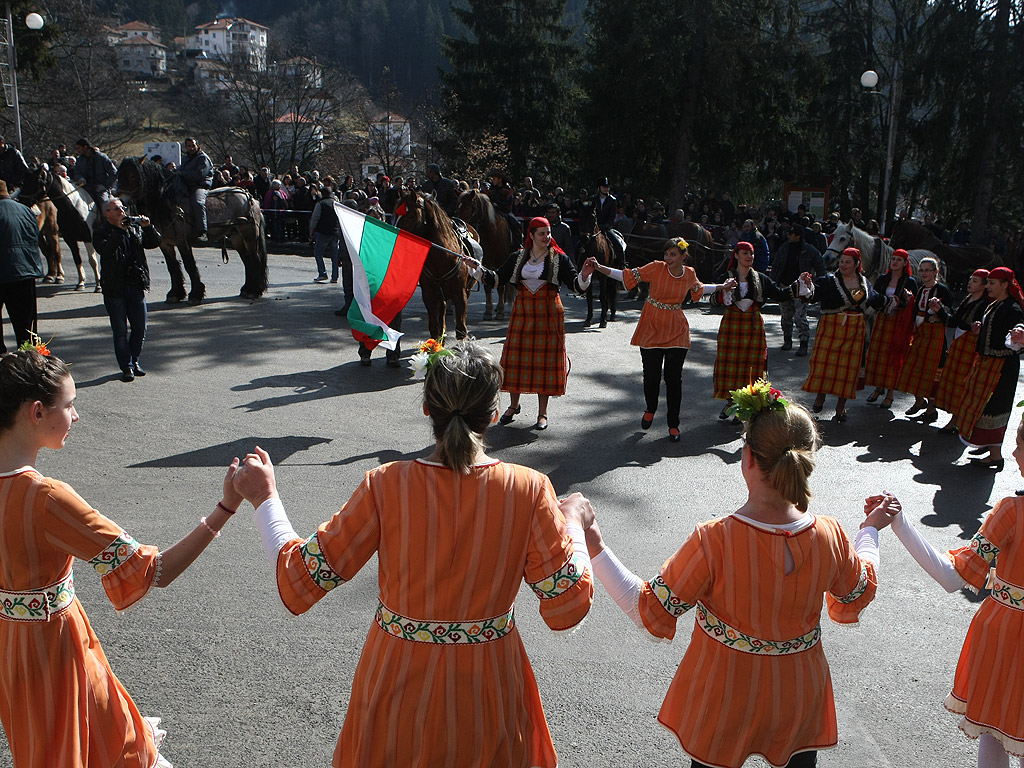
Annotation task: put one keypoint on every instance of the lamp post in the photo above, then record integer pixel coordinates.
(869, 80)
(32, 21)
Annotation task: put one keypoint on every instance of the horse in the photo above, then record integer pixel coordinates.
(76, 214)
(476, 209)
(960, 260)
(46, 220)
(593, 242)
(234, 217)
(875, 253)
(445, 276)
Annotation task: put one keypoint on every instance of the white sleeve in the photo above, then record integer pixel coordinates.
(477, 273)
(275, 527)
(866, 545)
(615, 274)
(621, 584)
(583, 285)
(935, 563)
(579, 546)
(1010, 345)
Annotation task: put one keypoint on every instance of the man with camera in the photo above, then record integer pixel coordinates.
(121, 241)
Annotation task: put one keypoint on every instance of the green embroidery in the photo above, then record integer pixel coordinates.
(662, 305)
(862, 585)
(560, 581)
(983, 547)
(740, 641)
(318, 567)
(38, 605)
(669, 602)
(116, 553)
(636, 275)
(60, 596)
(445, 632)
(1008, 594)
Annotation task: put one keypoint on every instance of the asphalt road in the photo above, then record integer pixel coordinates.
(240, 683)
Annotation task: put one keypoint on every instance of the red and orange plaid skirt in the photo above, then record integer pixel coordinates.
(835, 360)
(742, 355)
(975, 393)
(921, 368)
(959, 361)
(887, 350)
(534, 357)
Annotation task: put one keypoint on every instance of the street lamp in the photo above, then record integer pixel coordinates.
(32, 21)
(869, 80)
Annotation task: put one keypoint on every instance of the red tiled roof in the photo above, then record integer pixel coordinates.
(224, 23)
(140, 40)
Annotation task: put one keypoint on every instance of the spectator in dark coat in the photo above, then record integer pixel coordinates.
(791, 260)
(94, 171)
(20, 265)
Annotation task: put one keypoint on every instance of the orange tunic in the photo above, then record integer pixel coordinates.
(661, 327)
(60, 703)
(989, 677)
(726, 703)
(451, 548)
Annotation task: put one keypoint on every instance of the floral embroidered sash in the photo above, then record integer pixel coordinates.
(662, 305)
(560, 581)
(445, 632)
(38, 605)
(1008, 594)
(733, 638)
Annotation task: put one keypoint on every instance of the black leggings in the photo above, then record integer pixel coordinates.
(799, 760)
(671, 361)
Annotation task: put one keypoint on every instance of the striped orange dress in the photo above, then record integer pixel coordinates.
(989, 677)
(754, 679)
(662, 322)
(60, 703)
(443, 679)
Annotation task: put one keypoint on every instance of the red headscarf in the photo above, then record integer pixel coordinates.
(906, 261)
(742, 245)
(536, 223)
(1006, 274)
(854, 253)
(982, 273)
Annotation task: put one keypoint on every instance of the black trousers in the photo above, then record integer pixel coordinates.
(670, 363)
(801, 760)
(19, 298)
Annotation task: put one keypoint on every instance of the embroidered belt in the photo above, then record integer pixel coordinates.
(730, 637)
(1008, 594)
(663, 305)
(445, 632)
(38, 605)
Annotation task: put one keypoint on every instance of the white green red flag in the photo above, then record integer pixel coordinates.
(386, 266)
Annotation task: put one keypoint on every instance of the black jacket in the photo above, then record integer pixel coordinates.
(123, 255)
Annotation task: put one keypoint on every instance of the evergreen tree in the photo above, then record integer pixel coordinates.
(513, 76)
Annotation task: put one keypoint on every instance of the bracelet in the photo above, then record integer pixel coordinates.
(206, 525)
(229, 511)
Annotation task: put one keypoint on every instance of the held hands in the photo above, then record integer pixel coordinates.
(730, 284)
(976, 327)
(254, 479)
(589, 267)
(934, 304)
(232, 498)
(1017, 336)
(880, 510)
(807, 279)
(577, 509)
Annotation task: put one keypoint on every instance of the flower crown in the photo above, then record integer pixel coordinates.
(751, 400)
(36, 343)
(430, 352)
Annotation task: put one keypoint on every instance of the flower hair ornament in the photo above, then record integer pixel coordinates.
(35, 342)
(430, 352)
(751, 400)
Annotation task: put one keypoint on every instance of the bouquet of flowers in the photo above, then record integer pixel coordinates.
(748, 401)
(430, 352)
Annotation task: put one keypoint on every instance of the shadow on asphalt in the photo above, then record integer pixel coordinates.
(279, 448)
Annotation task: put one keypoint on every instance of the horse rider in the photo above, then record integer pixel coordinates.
(197, 174)
(444, 190)
(94, 171)
(13, 168)
(605, 209)
(501, 195)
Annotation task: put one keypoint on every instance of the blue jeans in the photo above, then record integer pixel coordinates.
(328, 243)
(126, 310)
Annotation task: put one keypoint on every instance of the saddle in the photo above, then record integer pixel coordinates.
(618, 244)
(469, 245)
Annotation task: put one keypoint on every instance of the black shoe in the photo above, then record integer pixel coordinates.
(202, 238)
(802, 351)
(673, 434)
(364, 361)
(394, 362)
(138, 369)
(647, 420)
(509, 414)
(724, 413)
(840, 417)
(928, 417)
(787, 345)
(996, 466)
(127, 375)
(540, 426)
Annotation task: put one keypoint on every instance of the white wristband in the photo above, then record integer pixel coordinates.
(275, 527)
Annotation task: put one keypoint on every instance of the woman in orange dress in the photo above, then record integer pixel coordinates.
(443, 678)
(989, 678)
(754, 679)
(60, 703)
(662, 333)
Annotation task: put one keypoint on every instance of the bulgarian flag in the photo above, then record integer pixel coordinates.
(386, 266)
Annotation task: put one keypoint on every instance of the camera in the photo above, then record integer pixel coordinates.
(135, 220)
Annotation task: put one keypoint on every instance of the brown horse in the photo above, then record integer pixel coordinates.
(593, 242)
(960, 260)
(476, 209)
(49, 240)
(445, 277)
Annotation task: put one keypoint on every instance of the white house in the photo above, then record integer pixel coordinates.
(137, 28)
(232, 38)
(141, 55)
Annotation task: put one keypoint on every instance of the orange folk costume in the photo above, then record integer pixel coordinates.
(443, 678)
(662, 322)
(754, 679)
(60, 703)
